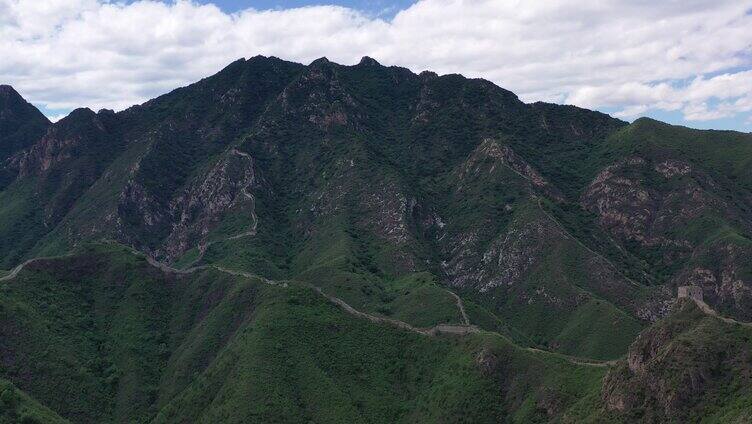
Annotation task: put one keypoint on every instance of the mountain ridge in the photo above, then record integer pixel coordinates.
(555, 227)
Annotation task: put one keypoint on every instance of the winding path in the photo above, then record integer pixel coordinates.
(575, 360)
(431, 331)
(461, 307)
(441, 329)
(14, 272)
(712, 312)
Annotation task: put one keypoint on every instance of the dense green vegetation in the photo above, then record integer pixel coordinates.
(17, 407)
(563, 233)
(689, 367)
(102, 336)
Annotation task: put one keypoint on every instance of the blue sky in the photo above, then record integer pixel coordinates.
(386, 8)
(687, 63)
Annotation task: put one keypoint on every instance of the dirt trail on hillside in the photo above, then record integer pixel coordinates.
(458, 329)
(14, 272)
(712, 312)
(461, 307)
(441, 329)
(203, 247)
(575, 360)
(170, 270)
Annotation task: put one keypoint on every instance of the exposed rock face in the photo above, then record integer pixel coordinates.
(675, 368)
(505, 156)
(318, 95)
(64, 142)
(228, 186)
(391, 210)
(482, 260)
(189, 218)
(623, 205)
(723, 275)
(657, 305)
(69, 158)
(397, 173)
(373, 179)
(487, 362)
(640, 203)
(653, 205)
(644, 204)
(505, 262)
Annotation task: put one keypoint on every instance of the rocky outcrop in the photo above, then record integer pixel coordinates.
(63, 143)
(676, 368)
(319, 97)
(228, 186)
(721, 270)
(390, 210)
(500, 155)
(641, 201)
(189, 218)
(507, 259)
(661, 208)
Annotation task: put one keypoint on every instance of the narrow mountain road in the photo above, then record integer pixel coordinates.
(440, 329)
(575, 360)
(14, 272)
(455, 329)
(712, 312)
(461, 307)
(168, 269)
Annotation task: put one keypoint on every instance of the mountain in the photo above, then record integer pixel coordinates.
(21, 123)
(689, 367)
(342, 243)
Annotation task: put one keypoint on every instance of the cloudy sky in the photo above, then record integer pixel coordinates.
(682, 61)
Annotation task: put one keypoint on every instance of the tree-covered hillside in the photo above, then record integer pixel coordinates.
(328, 243)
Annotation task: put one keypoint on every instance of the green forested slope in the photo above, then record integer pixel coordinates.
(562, 233)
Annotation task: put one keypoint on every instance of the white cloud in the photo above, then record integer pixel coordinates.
(633, 55)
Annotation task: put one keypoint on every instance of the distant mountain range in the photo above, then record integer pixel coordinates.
(329, 243)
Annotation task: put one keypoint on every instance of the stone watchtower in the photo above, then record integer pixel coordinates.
(690, 292)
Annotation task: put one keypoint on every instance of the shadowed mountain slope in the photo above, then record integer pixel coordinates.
(21, 124)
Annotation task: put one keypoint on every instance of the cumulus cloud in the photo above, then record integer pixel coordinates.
(635, 56)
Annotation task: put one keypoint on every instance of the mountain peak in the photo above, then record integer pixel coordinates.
(369, 61)
(7, 89)
(12, 102)
(20, 122)
(9, 96)
(320, 62)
